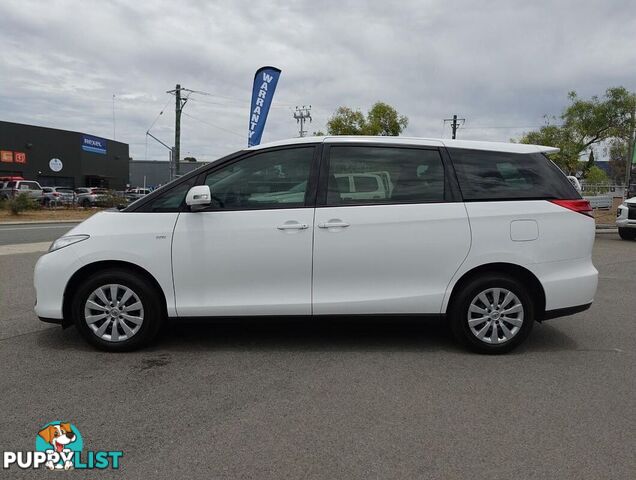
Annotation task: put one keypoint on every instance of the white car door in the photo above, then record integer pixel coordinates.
(250, 253)
(392, 253)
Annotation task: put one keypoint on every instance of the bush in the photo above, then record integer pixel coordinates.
(21, 203)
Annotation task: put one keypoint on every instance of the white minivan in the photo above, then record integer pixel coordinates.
(490, 236)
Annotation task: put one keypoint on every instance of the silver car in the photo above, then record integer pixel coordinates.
(54, 196)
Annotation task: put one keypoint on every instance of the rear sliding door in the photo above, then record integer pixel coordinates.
(389, 232)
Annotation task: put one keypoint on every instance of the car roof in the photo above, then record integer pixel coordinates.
(435, 142)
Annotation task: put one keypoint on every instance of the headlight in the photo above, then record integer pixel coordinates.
(66, 241)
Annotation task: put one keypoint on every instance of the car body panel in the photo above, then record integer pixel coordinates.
(390, 259)
(241, 263)
(142, 239)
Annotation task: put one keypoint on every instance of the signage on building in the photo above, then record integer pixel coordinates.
(19, 157)
(6, 156)
(94, 144)
(56, 164)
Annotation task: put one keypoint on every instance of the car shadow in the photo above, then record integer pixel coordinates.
(377, 333)
(386, 333)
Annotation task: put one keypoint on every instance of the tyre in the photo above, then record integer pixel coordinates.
(493, 313)
(86, 203)
(627, 233)
(117, 310)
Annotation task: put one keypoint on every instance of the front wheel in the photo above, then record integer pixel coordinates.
(117, 310)
(493, 314)
(627, 233)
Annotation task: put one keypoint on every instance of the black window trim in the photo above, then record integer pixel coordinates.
(201, 173)
(451, 188)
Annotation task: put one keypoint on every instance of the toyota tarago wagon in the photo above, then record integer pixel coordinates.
(490, 236)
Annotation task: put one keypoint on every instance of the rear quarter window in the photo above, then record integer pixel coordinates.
(484, 175)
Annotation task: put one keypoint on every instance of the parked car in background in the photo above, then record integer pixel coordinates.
(90, 197)
(16, 187)
(55, 196)
(626, 219)
(490, 237)
(136, 193)
(575, 183)
(5, 180)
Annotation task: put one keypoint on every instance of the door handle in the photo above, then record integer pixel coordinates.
(333, 224)
(293, 226)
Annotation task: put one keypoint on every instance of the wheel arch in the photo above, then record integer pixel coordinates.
(92, 268)
(517, 272)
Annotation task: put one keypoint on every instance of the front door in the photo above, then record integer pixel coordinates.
(390, 237)
(250, 253)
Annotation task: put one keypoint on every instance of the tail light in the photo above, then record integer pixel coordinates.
(579, 206)
(55, 194)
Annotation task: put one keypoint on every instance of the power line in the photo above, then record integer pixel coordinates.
(214, 126)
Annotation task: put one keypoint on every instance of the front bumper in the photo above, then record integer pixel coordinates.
(623, 214)
(52, 273)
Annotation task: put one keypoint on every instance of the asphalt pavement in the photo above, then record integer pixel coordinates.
(391, 398)
(11, 234)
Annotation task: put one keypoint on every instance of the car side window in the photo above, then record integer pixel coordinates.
(170, 201)
(272, 179)
(362, 175)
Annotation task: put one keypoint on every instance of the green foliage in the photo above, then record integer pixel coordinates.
(381, 119)
(586, 123)
(595, 180)
(21, 203)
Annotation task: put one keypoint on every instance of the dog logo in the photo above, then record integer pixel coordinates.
(64, 440)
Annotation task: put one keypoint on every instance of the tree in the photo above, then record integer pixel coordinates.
(381, 119)
(590, 162)
(595, 179)
(586, 123)
(189, 159)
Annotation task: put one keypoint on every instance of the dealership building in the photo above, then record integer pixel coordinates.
(55, 157)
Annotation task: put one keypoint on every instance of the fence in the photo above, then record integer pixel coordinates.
(603, 189)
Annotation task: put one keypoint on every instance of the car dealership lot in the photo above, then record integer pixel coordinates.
(388, 398)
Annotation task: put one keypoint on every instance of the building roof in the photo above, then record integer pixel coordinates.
(437, 142)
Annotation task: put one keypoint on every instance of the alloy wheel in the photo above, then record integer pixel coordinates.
(495, 315)
(114, 312)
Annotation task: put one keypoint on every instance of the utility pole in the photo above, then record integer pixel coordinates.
(455, 123)
(630, 146)
(301, 115)
(179, 104)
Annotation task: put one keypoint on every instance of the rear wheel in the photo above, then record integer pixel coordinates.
(627, 233)
(117, 310)
(493, 313)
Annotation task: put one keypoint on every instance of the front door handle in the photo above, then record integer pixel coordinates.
(293, 226)
(333, 224)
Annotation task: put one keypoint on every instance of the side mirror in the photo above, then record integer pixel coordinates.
(199, 197)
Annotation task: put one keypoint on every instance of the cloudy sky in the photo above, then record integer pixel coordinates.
(502, 65)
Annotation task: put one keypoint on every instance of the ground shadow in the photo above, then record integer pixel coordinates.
(378, 333)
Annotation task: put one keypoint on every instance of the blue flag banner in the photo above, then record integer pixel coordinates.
(263, 90)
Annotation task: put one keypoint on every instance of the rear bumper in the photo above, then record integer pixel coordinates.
(567, 284)
(564, 312)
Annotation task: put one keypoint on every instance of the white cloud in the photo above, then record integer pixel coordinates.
(497, 63)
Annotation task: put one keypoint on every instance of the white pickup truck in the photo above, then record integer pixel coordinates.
(626, 219)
